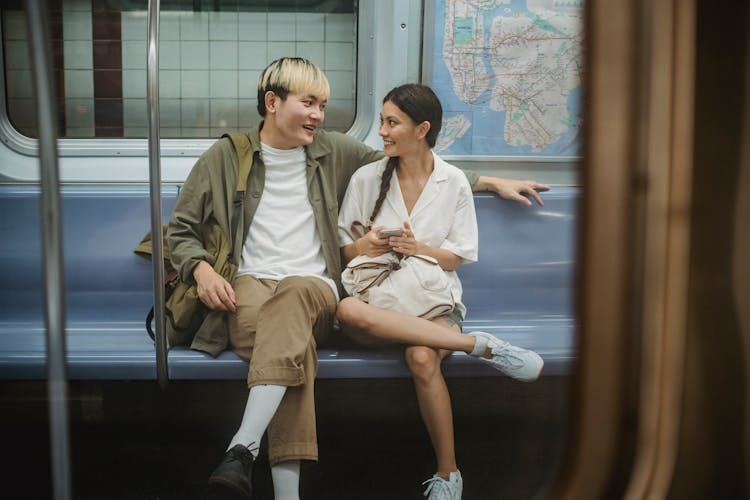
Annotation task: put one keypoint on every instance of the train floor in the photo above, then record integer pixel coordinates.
(131, 440)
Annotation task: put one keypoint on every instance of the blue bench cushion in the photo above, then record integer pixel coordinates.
(521, 290)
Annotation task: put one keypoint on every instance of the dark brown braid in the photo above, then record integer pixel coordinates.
(385, 184)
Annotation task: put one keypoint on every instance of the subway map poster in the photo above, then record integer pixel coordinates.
(508, 73)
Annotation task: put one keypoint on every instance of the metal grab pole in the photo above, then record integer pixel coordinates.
(152, 107)
(52, 260)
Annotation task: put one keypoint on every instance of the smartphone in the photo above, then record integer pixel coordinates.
(387, 233)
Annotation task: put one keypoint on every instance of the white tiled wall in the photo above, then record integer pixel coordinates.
(18, 71)
(79, 76)
(78, 53)
(209, 64)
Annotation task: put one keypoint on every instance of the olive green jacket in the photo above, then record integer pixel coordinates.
(208, 192)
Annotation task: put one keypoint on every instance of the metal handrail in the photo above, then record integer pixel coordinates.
(152, 109)
(37, 20)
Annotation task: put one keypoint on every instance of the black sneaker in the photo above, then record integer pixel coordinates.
(231, 479)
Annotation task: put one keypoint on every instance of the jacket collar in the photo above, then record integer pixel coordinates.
(320, 145)
(254, 135)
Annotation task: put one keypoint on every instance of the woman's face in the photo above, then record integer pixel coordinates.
(399, 132)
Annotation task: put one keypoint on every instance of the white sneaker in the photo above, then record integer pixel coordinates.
(440, 489)
(517, 362)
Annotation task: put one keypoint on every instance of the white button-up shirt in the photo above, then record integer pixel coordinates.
(443, 216)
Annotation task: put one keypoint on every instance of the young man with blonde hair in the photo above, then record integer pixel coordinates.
(283, 299)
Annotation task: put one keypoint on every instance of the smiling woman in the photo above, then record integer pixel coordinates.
(431, 199)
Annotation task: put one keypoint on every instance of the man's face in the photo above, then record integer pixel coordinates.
(292, 122)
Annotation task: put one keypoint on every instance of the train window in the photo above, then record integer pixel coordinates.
(210, 56)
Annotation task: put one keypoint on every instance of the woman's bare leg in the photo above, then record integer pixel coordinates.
(364, 338)
(401, 328)
(434, 402)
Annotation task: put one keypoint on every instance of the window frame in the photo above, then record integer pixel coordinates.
(365, 20)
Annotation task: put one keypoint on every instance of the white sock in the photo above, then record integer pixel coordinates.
(262, 403)
(285, 477)
(480, 346)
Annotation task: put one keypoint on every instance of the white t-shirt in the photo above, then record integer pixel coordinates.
(283, 239)
(443, 216)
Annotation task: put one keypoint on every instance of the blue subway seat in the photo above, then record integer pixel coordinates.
(521, 290)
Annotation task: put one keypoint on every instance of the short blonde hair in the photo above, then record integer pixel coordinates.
(293, 75)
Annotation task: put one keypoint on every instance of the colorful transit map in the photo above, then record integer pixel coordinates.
(508, 73)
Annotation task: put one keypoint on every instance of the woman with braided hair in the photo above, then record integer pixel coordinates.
(414, 189)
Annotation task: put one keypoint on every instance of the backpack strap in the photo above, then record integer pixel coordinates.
(241, 144)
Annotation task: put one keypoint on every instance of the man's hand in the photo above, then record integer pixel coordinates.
(511, 189)
(213, 290)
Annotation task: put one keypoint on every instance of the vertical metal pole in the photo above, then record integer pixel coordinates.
(52, 259)
(152, 107)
